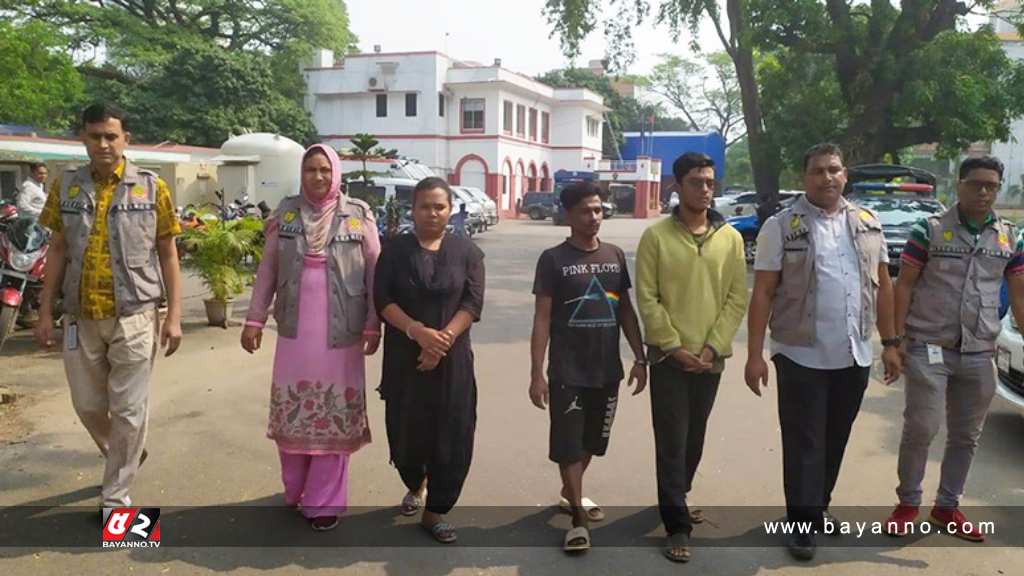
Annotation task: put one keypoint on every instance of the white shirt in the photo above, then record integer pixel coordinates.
(837, 307)
(31, 199)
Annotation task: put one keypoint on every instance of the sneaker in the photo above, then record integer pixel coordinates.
(900, 522)
(802, 546)
(324, 523)
(946, 518)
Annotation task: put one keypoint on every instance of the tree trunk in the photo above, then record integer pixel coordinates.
(765, 161)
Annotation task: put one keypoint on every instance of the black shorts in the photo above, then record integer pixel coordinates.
(581, 421)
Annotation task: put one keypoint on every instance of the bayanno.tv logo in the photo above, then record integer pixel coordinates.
(131, 528)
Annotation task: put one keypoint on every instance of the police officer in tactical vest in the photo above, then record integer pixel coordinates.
(947, 300)
(821, 283)
(112, 260)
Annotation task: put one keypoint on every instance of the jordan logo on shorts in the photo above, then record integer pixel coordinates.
(574, 405)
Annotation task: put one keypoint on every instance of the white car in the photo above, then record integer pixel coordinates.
(490, 208)
(1010, 363)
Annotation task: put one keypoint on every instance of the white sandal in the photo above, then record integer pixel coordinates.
(577, 534)
(594, 512)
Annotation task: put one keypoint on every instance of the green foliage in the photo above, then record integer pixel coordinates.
(211, 107)
(40, 84)
(193, 71)
(224, 254)
(878, 78)
(704, 90)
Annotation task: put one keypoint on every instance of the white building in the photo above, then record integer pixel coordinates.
(482, 126)
(1012, 152)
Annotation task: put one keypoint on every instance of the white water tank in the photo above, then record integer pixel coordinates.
(266, 166)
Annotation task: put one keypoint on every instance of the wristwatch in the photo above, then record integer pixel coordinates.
(892, 342)
(641, 362)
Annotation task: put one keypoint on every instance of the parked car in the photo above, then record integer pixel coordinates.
(475, 220)
(380, 190)
(1010, 363)
(749, 227)
(746, 203)
(538, 205)
(900, 195)
(489, 206)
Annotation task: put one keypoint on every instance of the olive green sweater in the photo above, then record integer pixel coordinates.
(691, 293)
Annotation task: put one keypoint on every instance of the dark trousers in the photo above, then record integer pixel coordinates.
(816, 412)
(680, 405)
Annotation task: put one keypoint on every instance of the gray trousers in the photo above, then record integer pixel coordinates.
(959, 389)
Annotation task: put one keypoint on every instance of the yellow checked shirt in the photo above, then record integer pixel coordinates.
(97, 291)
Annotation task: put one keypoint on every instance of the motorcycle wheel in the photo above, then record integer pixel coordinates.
(8, 315)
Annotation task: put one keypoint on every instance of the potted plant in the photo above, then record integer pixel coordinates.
(224, 255)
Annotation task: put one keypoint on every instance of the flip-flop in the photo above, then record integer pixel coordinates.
(443, 532)
(696, 516)
(410, 505)
(677, 541)
(594, 512)
(577, 539)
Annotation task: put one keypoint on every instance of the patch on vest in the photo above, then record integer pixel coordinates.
(73, 191)
(866, 217)
(354, 225)
(289, 216)
(794, 222)
(1004, 242)
(138, 192)
(947, 235)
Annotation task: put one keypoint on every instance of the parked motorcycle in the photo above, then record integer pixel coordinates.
(23, 247)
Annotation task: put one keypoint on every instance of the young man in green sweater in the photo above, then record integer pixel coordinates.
(692, 294)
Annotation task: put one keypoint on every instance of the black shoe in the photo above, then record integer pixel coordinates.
(802, 547)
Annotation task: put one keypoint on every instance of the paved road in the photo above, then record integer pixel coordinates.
(207, 447)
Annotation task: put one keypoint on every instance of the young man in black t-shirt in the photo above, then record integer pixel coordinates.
(582, 288)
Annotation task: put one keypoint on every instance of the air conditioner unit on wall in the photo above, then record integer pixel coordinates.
(377, 84)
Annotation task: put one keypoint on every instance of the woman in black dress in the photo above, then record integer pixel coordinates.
(429, 288)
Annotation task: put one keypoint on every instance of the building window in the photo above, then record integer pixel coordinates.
(410, 104)
(593, 127)
(521, 121)
(472, 114)
(507, 119)
(545, 127)
(533, 124)
(440, 104)
(382, 105)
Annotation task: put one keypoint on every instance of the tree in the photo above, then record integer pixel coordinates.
(124, 45)
(891, 77)
(705, 92)
(227, 92)
(365, 147)
(40, 84)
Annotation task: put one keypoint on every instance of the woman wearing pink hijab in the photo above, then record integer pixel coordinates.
(319, 259)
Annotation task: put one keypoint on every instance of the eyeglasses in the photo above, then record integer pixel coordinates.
(710, 183)
(976, 186)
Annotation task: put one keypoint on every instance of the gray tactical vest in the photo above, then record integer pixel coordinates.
(347, 298)
(131, 231)
(793, 308)
(955, 302)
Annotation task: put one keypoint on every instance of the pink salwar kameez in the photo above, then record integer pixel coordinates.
(318, 399)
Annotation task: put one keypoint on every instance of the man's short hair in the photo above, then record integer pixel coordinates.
(575, 193)
(103, 111)
(36, 166)
(823, 149)
(981, 162)
(688, 161)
